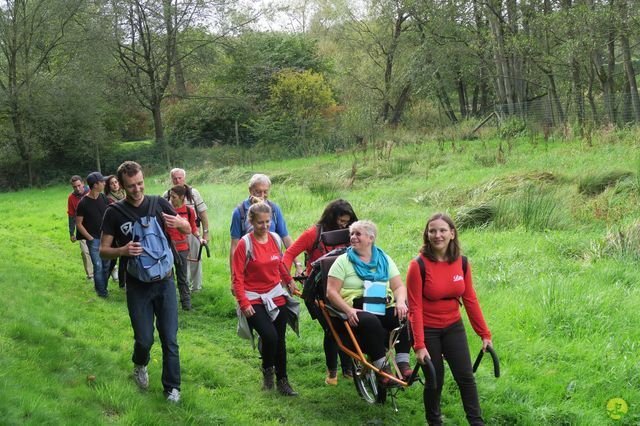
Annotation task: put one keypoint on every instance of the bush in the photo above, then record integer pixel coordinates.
(594, 184)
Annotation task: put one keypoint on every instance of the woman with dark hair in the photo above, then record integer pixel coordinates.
(115, 193)
(113, 190)
(177, 196)
(338, 214)
(436, 281)
(260, 283)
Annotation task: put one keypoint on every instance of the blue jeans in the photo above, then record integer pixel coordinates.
(100, 267)
(146, 300)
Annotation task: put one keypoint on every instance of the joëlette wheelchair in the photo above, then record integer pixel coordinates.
(365, 374)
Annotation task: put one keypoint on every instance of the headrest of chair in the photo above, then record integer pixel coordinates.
(335, 238)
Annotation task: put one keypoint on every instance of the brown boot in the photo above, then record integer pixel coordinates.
(267, 378)
(285, 388)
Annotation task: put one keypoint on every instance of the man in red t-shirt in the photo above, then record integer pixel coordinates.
(79, 191)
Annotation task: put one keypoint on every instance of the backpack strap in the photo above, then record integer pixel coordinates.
(248, 245)
(278, 240)
(273, 214)
(123, 208)
(243, 216)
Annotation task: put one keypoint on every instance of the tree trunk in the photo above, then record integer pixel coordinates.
(627, 109)
(592, 101)
(158, 127)
(576, 87)
(400, 105)
(444, 98)
(631, 76)
(181, 86)
(462, 97)
(608, 97)
(555, 99)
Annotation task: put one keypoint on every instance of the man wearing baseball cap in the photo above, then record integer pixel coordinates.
(88, 223)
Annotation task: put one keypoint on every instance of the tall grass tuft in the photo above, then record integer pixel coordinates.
(327, 188)
(623, 244)
(594, 184)
(474, 217)
(535, 209)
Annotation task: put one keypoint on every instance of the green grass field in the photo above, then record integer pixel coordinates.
(554, 255)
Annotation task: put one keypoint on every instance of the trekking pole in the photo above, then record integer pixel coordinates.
(494, 357)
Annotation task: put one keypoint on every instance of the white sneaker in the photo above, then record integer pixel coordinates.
(114, 275)
(174, 396)
(141, 376)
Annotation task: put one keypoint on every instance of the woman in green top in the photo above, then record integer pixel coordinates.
(365, 284)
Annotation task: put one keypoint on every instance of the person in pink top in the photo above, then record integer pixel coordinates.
(259, 281)
(434, 314)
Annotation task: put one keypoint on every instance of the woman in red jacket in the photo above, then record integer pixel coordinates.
(259, 281)
(435, 318)
(337, 214)
(176, 197)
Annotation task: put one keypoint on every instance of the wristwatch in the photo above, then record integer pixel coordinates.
(206, 231)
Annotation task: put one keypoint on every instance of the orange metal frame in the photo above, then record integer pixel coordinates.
(358, 354)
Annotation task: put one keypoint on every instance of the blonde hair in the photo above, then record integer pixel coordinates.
(258, 208)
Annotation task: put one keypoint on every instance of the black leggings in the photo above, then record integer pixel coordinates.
(372, 333)
(451, 343)
(274, 346)
(331, 350)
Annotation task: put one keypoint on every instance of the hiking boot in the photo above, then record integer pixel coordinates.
(186, 306)
(141, 376)
(332, 378)
(267, 378)
(405, 370)
(173, 396)
(386, 381)
(285, 388)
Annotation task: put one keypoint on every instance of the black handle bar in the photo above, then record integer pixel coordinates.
(206, 247)
(494, 357)
(300, 278)
(431, 374)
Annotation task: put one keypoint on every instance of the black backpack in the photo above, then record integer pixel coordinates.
(315, 286)
(423, 271)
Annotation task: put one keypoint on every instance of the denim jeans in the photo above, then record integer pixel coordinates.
(146, 300)
(100, 267)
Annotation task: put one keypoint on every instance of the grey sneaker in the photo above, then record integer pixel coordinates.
(174, 396)
(141, 376)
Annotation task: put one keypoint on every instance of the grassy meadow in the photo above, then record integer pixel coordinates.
(553, 239)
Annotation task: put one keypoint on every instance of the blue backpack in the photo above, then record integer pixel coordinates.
(156, 260)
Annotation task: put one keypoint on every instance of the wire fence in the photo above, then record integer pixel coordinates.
(545, 113)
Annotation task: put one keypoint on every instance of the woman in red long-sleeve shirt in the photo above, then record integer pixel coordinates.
(260, 280)
(434, 313)
(338, 214)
